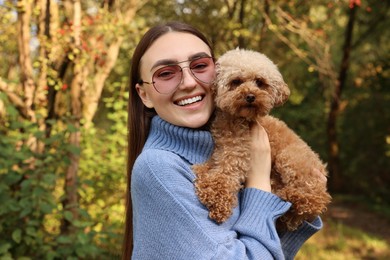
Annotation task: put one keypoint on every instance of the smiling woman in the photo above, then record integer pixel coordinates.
(170, 106)
(160, 63)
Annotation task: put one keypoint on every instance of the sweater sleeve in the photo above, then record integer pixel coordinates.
(169, 222)
(292, 241)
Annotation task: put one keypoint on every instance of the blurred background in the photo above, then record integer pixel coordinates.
(63, 113)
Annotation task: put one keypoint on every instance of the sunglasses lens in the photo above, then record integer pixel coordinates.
(167, 78)
(203, 69)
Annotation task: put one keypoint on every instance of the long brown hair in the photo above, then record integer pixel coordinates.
(139, 116)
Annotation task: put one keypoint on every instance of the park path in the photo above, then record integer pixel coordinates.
(357, 216)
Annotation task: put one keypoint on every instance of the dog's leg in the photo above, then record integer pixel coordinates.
(298, 175)
(303, 184)
(218, 192)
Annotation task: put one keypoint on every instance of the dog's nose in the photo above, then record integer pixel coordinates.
(250, 98)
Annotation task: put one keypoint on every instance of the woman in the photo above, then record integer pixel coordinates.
(170, 106)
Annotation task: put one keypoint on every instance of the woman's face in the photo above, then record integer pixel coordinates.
(191, 103)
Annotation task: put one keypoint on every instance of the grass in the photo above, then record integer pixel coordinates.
(338, 241)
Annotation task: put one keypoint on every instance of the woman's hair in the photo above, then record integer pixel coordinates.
(139, 116)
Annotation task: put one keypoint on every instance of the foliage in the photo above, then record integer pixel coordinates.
(31, 213)
(339, 241)
(30, 183)
(103, 167)
(366, 145)
(306, 43)
(67, 189)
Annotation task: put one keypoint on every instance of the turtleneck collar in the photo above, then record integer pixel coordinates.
(193, 145)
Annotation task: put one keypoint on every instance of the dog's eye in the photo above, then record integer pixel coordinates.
(236, 82)
(260, 83)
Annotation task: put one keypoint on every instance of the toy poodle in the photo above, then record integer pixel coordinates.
(248, 85)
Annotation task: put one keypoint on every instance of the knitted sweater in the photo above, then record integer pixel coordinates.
(170, 223)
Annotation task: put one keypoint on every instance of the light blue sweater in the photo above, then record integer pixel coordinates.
(170, 223)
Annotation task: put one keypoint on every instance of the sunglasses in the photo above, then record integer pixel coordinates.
(168, 78)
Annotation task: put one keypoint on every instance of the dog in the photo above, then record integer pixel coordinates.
(247, 86)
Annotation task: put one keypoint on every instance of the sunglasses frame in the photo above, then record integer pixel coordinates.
(181, 70)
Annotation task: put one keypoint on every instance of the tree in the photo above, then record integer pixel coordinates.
(335, 102)
(319, 46)
(66, 50)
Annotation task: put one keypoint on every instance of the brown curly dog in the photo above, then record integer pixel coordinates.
(247, 87)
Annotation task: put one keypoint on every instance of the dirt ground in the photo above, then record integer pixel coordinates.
(359, 217)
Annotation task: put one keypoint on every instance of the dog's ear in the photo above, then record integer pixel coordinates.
(217, 79)
(283, 92)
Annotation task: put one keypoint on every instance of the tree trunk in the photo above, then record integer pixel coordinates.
(264, 24)
(70, 203)
(333, 144)
(26, 71)
(31, 97)
(54, 57)
(241, 18)
(92, 95)
(40, 98)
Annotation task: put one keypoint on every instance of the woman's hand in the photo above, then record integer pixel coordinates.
(259, 175)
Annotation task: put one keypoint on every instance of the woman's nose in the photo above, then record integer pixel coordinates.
(188, 80)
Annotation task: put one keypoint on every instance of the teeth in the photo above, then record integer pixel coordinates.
(189, 101)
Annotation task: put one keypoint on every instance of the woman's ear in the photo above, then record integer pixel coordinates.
(144, 96)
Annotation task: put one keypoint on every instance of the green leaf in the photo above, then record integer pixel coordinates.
(17, 235)
(74, 149)
(38, 191)
(83, 238)
(39, 134)
(49, 179)
(25, 212)
(46, 208)
(11, 179)
(64, 240)
(4, 248)
(13, 205)
(31, 231)
(72, 128)
(68, 215)
(29, 240)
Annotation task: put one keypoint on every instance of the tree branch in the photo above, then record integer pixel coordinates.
(319, 56)
(371, 27)
(14, 99)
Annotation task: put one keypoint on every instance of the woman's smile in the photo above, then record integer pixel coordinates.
(189, 101)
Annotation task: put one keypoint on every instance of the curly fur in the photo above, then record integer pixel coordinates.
(247, 87)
